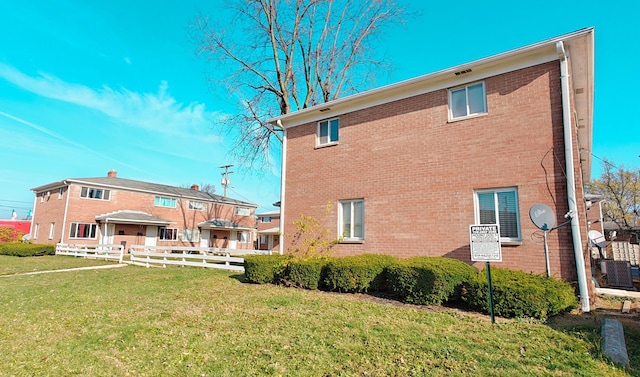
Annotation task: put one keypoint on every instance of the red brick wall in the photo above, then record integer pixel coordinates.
(85, 210)
(417, 172)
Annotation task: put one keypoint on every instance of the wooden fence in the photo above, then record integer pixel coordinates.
(227, 259)
(107, 252)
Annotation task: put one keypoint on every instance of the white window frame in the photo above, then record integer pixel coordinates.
(35, 231)
(88, 192)
(349, 236)
(60, 192)
(495, 192)
(243, 211)
(197, 206)
(468, 112)
(74, 227)
(244, 237)
(52, 230)
(265, 219)
(163, 232)
(191, 235)
(42, 197)
(326, 140)
(159, 201)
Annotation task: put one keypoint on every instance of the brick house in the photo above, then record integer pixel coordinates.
(409, 166)
(112, 210)
(268, 230)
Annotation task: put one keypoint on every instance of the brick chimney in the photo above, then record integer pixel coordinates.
(112, 173)
(195, 187)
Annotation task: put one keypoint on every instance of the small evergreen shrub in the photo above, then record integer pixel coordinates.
(26, 249)
(306, 273)
(360, 273)
(261, 269)
(518, 294)
(429, 280)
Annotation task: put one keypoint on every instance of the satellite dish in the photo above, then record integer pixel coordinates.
(542, 216)
(597, 238)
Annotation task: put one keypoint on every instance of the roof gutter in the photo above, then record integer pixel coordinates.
(571, 181)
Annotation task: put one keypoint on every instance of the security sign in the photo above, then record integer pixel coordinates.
(485, 243)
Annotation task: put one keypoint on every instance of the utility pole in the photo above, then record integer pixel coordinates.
(225, 178)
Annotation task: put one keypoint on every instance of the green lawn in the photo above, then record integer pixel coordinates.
(15, 265)
(135, 321)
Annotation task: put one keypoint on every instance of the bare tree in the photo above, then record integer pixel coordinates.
(621, 190)
(279, 56)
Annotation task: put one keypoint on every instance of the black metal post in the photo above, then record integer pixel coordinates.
(490, 295)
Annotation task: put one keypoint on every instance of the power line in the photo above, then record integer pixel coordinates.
(14, 201)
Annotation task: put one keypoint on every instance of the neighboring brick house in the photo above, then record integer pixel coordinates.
(112, 210)
(409, 166)
(269, 230)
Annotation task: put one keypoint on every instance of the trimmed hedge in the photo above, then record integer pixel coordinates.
(360, 273)
(261, 269)
(429, 280)
(518, 294)
(306, 273)
(26, 249)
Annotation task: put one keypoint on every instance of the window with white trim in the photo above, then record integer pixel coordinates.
(351, 219)
(35, 231)
(168, 234)
(161, 201)
(82, 230)
(244, 237)
(60, 192)
(51, 230)
(467, 100)
(328, 131)
(197, 206)
(94, 193)
(265, 219)
(243, 211)
(499, 206)
(191, 235)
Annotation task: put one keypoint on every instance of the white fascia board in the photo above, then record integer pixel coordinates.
(524, 57)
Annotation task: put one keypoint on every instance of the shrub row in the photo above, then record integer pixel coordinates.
(26, 249)
(419, 280)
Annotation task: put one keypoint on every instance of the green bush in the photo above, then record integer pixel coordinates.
(517, 294)
(261, 269)
(306, 273)
(429, 280)
(26, 249)
(360, 273)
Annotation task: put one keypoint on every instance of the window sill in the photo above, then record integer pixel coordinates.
(326, 145)
(453, 120)
(511, 243)
(354, 241)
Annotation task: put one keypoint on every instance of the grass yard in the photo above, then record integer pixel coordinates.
(15, 265)
(135, 321)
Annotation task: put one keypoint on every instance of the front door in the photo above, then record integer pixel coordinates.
(152, 234)
(204, 237)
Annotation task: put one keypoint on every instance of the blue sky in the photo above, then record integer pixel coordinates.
(90, 86)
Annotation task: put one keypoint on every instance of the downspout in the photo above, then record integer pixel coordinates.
(283, 173)
(66, 209)
(33, 215)
(571, 181)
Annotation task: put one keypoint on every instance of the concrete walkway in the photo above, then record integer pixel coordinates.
(67, 269)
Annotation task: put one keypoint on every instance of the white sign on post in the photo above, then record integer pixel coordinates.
(485, 243)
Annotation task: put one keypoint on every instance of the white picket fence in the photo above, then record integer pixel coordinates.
(106, 252)
(227, 259)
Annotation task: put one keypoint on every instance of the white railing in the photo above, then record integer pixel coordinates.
(227, 259)
(107, 252)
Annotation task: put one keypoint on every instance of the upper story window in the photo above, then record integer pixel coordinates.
(60, 192)
(499, 206)
(161, 201)
(351, 219)
(243, 211)
(328, 131)
(197, 206)
(265, 219)
(467, 100)
(95, 193)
